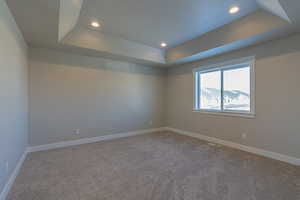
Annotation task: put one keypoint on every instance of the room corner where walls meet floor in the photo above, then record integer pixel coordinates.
(68, 99)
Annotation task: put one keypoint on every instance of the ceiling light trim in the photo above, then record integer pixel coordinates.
(234, 9)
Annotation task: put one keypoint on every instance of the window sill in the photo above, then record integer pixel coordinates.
(229, 114)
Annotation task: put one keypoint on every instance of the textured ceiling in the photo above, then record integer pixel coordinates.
(153, 21)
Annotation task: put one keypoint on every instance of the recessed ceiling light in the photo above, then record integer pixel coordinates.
(95, 24)
(234, 9)
(163, 44)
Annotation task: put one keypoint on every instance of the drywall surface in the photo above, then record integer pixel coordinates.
(252, 27)
(73, 97)
(107, 44)
(276, 124)
(69, 12)
(13, 94)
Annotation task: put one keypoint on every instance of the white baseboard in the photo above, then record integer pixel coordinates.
(273, 155)
(12, 178)
(265, 153)
(91, 140)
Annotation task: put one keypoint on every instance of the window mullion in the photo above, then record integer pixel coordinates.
(222, 90)
(195, 90)
(198, 90)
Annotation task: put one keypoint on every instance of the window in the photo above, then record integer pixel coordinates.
(225, 88)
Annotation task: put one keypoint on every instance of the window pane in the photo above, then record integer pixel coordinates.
(210, 90)
(237, 89)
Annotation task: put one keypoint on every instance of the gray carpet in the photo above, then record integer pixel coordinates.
(159, 166)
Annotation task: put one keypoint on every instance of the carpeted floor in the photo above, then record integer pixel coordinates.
(159, 166)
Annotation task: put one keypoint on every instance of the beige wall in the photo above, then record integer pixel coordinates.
(101, 96)
(276, 126)
(97, 96)
(13, 95)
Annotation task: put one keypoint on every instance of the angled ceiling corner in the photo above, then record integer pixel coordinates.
(69, 12)
(256, 27)
(275, 7)
(106, 44)
(292, 8)
(73, 35)
(65, 25)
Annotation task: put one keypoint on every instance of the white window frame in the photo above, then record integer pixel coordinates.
(234, 64)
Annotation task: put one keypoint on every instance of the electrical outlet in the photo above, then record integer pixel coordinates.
(77, 131)
(244, 136)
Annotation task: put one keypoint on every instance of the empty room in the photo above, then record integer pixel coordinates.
(149, 100)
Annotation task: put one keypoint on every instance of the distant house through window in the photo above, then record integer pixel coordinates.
(225, 88)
